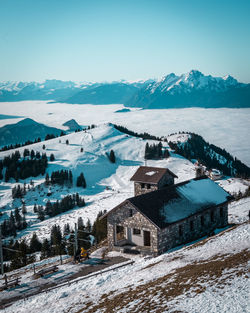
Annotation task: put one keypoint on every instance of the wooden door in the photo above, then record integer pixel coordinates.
(146, 238)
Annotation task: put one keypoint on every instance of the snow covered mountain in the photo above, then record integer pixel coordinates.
(70, 92)
(192, 89)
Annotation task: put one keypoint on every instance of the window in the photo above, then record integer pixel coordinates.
(202, 221)
(180, 230)
(130, 212)
(212, 216)
(148, 186)
(120, 234)
(142, 185)
(191, 225)
(136, 231)
(221, 212)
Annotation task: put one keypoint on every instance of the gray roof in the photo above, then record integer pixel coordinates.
(177, 202)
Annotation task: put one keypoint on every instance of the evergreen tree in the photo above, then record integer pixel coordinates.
(40, 213)
(18, 219)
(32, 154)
(47, 179)
(88, 226)
(52, 157)
(24, 209)
(112, 156)
(45, 249)
(99, 230)
(35, 244)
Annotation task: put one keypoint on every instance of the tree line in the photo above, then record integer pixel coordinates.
(19, 253)
(60, 206)
(209, 155)
(155, 151)
(134, 134)
(32, 164)
(59, 177)
(30, 142)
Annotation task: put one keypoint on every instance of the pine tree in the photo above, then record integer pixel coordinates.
(47, 179)
(40, 213)
(88, 226)
(45, 249)
(112, 156)
(24, 209)
(99, 230)
(18, 219)
(52, 157)
(35, 244)
(32, 154)
(81, 182)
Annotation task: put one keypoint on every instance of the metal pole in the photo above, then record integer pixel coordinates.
(76, 245)
(1, 252)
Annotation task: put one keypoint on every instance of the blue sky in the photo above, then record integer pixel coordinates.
(100, 40)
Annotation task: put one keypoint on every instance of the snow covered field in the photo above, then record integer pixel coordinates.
(107, 184)
(167, 283)
(208, 276)
(227, 128)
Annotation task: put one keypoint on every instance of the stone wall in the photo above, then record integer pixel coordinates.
(170, 237)
(187, 230)
(142, 188)
(139, 190)
(122, 216)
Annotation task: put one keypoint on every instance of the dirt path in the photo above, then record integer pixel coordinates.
(90, 268)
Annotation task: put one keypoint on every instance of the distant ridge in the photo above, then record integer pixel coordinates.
(192, 89)
(26, 129)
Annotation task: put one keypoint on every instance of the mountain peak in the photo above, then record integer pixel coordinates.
(26, 122)
(230, 80)
(193, 74)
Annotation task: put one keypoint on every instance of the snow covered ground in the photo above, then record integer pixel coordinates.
(108, 184)
(208, 276)
(227, 128)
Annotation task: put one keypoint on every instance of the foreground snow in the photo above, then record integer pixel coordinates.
(209, 275)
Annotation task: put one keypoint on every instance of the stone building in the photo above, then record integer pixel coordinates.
(147, 179)
(154, 222)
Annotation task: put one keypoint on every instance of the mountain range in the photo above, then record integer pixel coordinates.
(193, 89)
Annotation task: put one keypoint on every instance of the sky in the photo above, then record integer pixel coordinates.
(106, 40)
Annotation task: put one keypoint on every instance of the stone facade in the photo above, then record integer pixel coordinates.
(129, 218)
(161, 240)
(142, 188)
(192, 228)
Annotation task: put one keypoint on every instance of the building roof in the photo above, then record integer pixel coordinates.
(177, 202)
(149, 174)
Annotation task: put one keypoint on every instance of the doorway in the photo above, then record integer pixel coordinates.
(146, 238)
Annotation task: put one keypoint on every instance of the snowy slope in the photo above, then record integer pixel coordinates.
(128, 289)
(107, 184)
(207, 276)
(226, 128)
